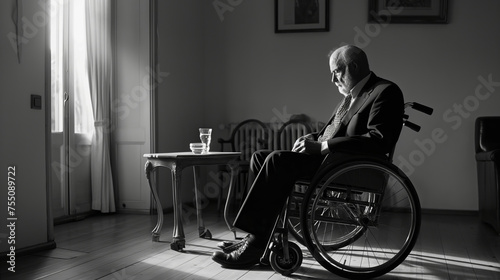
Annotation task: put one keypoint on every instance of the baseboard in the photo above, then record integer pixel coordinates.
(133, 211)
(144, 212)
(74, 218)
(31, 249)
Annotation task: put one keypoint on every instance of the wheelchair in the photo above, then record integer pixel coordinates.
(359, 216)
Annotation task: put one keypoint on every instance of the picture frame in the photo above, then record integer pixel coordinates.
(416, 11)
(301, 16)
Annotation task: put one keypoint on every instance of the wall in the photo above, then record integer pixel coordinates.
(23, 129)
(180, 108)
(132, 95)
(252, 72)
(226, 64)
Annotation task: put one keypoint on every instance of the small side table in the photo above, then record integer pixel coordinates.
(176, 162)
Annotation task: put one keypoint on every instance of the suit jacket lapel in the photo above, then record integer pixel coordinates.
(356, 105)
(358, 102)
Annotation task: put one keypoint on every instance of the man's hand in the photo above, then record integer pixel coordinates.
(308, 146)
(300, 140)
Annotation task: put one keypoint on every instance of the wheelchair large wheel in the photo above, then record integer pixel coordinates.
(361, 219)
(294, 222)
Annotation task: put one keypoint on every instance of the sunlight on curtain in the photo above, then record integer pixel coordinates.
(83, 120)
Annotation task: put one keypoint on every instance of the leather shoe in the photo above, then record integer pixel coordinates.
(245, 256)
(229, 246)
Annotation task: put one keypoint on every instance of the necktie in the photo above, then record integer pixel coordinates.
(339, 115)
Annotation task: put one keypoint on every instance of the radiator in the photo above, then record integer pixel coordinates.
(252, 138)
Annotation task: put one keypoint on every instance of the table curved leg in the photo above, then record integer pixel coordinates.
(178, 242)
(159, 209)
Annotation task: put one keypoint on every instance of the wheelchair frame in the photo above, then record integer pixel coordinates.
(359, 217)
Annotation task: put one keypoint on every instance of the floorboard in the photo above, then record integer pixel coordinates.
(119, 246)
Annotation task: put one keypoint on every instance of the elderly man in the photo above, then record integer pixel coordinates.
(369, 119)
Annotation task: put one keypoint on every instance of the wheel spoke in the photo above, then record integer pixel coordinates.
(361, 225)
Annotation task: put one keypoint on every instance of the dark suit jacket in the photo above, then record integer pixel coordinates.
(374, 121)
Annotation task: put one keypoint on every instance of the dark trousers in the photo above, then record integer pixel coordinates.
(275, 173)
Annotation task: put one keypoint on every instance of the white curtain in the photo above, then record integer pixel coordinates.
(99, 52)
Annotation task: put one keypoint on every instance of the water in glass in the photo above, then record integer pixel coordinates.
(206, 137)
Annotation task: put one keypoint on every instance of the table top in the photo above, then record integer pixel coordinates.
(191, 155)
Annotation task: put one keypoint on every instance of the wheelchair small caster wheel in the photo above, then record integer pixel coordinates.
(280, 265)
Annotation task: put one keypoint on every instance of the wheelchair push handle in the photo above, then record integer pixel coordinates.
(419, 107)
(412, 126)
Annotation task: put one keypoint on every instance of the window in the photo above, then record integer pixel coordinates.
(69, 79)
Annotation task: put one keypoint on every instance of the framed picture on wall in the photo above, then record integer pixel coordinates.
(408, 11)
(301, 15)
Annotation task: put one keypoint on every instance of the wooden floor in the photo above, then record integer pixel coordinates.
(119, 246)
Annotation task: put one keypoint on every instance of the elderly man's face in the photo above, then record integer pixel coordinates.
(341, 74)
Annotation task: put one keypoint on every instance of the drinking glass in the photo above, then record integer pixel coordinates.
(206, 137)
